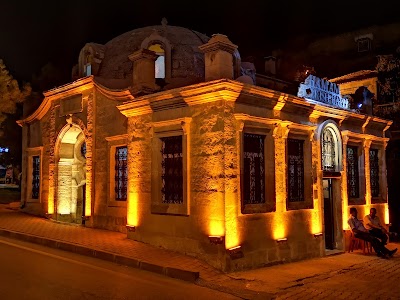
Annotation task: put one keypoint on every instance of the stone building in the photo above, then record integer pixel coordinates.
(165, 135)
(364, 60)
(334, 54)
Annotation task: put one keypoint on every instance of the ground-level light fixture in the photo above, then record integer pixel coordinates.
(282, 240)
(216, 239)
(235, 252)
(318, 234)
(131, 228)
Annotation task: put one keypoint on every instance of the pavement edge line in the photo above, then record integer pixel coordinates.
(176, 273)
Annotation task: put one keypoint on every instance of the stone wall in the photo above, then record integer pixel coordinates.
(108, 122)
(214, 201)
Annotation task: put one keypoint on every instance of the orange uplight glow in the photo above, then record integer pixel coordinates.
(387, 221)
(50, 201)
(232, 238)
(133, 209)
(216, 213)
(316, 226)
(279, 228)
(216, 228)
(88, 197)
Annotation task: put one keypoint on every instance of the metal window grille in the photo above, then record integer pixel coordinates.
(121, 173)
(353, 186)
(254, 169)
(172, 170)
(295, 170)
(364, 45)
(328, 150)
(374, 172)
(35, 177)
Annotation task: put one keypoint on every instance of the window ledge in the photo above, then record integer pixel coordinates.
(169, 209)
(258, 208)
(115, 203)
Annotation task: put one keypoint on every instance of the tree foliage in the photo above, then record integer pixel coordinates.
(388, 68)
(50, 76)
(10, 93)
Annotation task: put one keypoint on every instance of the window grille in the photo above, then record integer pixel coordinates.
(328, 150)
(364, 45)
(172, 170)
(253, 169)
(295, 170)
(35, 177)
(121, 173)
(374, 172)
(353, 186)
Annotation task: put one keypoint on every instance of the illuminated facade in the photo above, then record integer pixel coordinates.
(196, 157)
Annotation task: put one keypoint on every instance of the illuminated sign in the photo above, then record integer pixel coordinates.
(321, 90)
(3, 150)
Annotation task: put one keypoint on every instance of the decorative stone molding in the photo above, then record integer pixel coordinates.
(143, 71)
(218, 54)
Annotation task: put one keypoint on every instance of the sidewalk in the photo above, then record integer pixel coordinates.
(262, 283)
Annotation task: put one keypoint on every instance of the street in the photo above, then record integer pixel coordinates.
(377, 279)
(30, 271)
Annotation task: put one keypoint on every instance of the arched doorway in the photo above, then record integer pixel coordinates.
(71, 169)
(331, 164)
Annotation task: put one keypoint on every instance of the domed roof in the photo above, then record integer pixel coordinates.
(186, 62)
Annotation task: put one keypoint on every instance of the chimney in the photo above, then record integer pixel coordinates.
(144, 75)
(218, 57)
(270, 65)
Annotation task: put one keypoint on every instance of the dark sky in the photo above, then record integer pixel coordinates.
(33, 33)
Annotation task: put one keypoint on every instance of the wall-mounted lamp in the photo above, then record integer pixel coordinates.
(235, 252)
(318, 234)
(131, 228)
(282, 240)
(215, 239)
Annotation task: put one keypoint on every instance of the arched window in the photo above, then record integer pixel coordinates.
(88, 65)
(160, 61)
(331, 147)
(328, 150)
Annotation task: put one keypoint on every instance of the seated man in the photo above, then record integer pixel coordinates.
(362, 233)
(374, 226)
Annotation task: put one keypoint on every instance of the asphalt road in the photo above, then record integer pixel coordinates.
(30, 271)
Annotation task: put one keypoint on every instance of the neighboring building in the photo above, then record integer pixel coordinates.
(363, 88)
(334, 55)
(366, 60)
(166, 137)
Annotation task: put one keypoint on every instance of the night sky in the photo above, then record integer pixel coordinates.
(33, 33)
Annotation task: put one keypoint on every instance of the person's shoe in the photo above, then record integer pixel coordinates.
(382, 255)
(392, 252)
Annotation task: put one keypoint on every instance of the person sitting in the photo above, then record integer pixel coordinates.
(362, 233)
(373, 224)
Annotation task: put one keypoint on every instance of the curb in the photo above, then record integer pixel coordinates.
(181, 274)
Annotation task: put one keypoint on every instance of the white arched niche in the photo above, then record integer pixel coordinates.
(331, 146)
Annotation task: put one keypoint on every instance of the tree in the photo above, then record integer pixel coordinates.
(388, 68)
(50, 76)
(10, 93)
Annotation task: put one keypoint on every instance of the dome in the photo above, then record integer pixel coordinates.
(186, 64)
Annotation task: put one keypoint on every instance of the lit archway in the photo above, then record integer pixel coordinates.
(71, 171)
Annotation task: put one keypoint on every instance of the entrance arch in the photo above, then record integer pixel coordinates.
(71, 174)
(331, 164)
